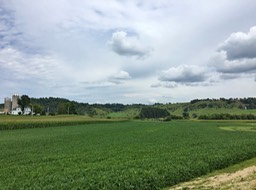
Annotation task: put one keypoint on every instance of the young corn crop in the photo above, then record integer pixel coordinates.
(119, 155)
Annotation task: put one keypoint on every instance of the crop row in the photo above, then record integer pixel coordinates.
(18, 122)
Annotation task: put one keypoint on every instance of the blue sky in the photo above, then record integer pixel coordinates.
(128, 51)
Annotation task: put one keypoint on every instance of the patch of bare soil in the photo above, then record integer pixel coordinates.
(244, 179)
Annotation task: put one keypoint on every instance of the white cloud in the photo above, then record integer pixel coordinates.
(240, 45)
(185, 74)
(236, 56)
(24, 66)
(128, 45)
(121, 75)
(65, 48)
(223, 65)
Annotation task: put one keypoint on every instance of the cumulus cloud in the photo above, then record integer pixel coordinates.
(240, 45)
(185, 74)
(221, 63)
(119, 77)
(128, 45)
(122, 75)
(236, 57)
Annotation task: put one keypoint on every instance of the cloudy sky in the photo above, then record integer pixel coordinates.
(128, 51)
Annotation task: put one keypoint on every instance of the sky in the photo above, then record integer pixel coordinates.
(128, 51)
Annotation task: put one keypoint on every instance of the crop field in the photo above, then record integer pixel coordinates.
(121, 155)
(21, 122)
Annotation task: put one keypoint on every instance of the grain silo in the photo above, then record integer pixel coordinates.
(15, 99)
(7, 105)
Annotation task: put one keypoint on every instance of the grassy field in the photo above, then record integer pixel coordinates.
(120, 155)
(127, 113)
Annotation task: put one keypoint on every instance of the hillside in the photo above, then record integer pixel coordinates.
(193, 109)
(196, 108)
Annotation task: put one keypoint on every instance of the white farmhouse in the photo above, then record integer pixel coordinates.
(27, 111)
(16, 111)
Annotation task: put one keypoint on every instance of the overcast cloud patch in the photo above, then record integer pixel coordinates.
(7, 31)
(128, 45)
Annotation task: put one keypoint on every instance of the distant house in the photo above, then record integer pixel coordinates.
(27, 111)
(16, 111)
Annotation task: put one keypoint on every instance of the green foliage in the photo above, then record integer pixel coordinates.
(152, 112)
(242, 103)
(24, 101)
(185, 113)
(175, 117)
(199, 107)
(130, 155)
(228, 116)
(37, 109)
(66, 108)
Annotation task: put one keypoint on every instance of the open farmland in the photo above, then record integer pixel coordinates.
(120, 155)
(23, 122)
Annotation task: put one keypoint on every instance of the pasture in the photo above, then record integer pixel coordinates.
(120, 155)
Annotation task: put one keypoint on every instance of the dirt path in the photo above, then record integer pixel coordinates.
(244, 179)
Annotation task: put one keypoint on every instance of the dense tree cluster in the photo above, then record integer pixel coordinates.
(115, 107)
(242, 103)
(152, 112)
(24, 101)
(227, 116)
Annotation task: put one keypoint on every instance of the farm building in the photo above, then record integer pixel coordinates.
(16, 111)
(27, 111)
(7, 105)
(11, 106)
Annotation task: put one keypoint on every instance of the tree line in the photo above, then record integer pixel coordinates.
(227, 116)
(55, 105)
(242, 103)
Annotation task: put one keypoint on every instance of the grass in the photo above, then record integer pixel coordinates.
(126, 155)
(127, 113)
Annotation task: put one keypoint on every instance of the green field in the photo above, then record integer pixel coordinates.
(22, 122)
(121, 155)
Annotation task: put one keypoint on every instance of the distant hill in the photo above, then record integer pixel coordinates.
(195, 108)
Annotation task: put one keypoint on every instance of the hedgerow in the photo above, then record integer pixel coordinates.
(228, 116)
